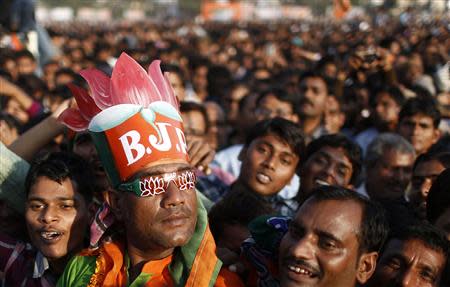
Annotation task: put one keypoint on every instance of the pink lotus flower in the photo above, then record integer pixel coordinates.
(129, 84)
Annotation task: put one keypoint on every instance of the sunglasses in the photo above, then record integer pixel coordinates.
(156, 184)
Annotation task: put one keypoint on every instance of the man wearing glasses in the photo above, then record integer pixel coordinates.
(161, 236)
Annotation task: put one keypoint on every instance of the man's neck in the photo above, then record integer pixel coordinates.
(139, 257)
(310, 124)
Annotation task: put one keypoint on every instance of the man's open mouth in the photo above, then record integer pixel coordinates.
(303, 270)
(50, 236)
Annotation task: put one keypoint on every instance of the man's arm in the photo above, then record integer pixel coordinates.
(30, 142)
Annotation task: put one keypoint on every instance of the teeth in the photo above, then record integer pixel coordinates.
(321, 182)
(299, 270)
(50, 234)
(263, 178)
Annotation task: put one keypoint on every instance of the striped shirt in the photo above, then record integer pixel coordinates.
(22, 265)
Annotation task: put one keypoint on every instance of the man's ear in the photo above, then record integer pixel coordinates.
(114, 199)
(437, 135)
(366, 267)
(241, 155)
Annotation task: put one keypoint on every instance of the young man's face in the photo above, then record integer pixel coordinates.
(321, 247)
(270, 107)
(386, 110)
(163, 221)
(57, 217)
(313, 97)
(334, 117)
(327, 166)
(194, 125)
(178, 86)
(26, 65)
(268, 164)
(390, 176)
(408, 263)
(419, 131)
(423, 177)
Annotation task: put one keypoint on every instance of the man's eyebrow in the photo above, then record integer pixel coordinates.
(345, 165)
(36, 198)
(162, 170)
(322, 153)
(427, 267)
(327, 234)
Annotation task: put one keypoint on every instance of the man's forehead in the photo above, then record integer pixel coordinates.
(337, 154)
(339, 217)
(397, 158)
(164, 168)
(419, 118)
(275, 142)
(313, 81)
(413, 248)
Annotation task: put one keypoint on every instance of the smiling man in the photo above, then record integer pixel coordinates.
(415, 256)
(163, 237)
(59, 192)
(333, 240)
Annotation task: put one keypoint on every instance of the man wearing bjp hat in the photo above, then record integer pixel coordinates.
(165, 240)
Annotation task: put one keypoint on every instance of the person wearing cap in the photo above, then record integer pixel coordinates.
(162, 237)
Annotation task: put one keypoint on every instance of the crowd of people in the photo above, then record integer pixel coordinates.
(311, 153)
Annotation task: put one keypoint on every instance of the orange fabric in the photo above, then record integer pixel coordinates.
(114, 262)
(228, 278)
(204, 262)
(160, 273)
(150, 154)
(16, 43)
(341, 7)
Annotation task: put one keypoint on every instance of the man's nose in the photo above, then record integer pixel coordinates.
(408, 279)
(303, 248)
(270, 162)
(48, 215)
(173, 196)
(425, 188)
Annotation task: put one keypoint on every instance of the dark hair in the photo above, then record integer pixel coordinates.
(313, 74)
(279, 93)
(11, 121)
(284, 129)
(426, 233)
(394, 92)
(233, 208)
(421, 105)
(59, 166)
(31, 84)
(186, 107)
(24, 54)
(65, 71)
(442, 158)
(438, 199)
(174, 69)
(351, 150)
(374, 227)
